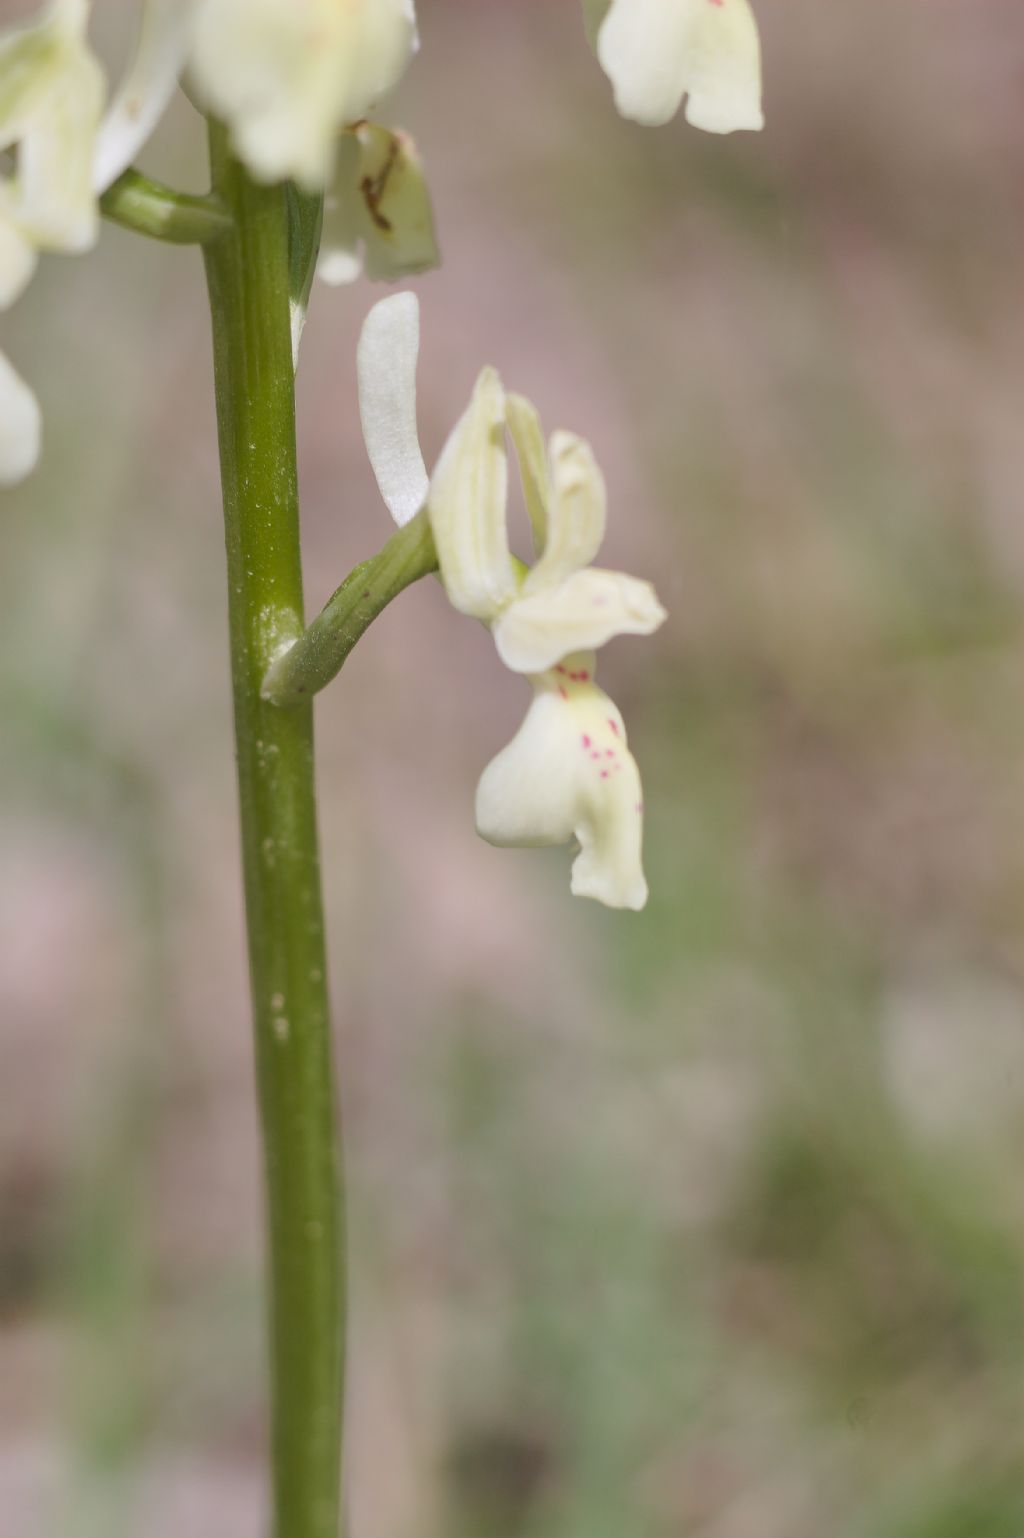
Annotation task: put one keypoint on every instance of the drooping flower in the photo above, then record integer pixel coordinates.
(568, 772)
(287, 74)
(377, 214)
(655, 52)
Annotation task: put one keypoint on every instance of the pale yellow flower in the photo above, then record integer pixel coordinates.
(568, 772)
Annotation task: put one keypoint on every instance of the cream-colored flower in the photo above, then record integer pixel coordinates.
(568, 772)
(655, 52)
(286, 75)
(377, 214)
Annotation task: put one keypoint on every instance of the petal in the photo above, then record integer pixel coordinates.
(567, 772)
(20, 426)
(581, 613)
(524, 428)
(654, 51)
(577, 514)
(56, 202)
(467, 504)
(386, 365)
(287, 76)
(17, 261)
(145, 89)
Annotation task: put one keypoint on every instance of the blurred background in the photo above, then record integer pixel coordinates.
(705, 1222)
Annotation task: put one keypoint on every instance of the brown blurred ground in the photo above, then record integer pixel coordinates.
(702, 1223)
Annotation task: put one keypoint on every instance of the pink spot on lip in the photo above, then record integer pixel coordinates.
(609, 752)
(614, 725)
(604, 774)
(586, 740)
(563, 691)
(595, 754)
(639, 807)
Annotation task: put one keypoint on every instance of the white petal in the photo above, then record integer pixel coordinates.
(567, 772)
(30, 59)
(577, 513)
(386, 364)
(145, 89)
(582, 613)
(654, 51)
(17, 261)
(286, 76)
(467, 505)
(525, 431)
(20, 426)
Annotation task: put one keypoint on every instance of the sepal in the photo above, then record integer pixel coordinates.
(580, 614)
(656, 51)
(468, 493)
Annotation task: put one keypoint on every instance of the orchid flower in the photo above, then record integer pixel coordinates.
(377, 215)
(656, 51)
(567, 772)
(287, 74)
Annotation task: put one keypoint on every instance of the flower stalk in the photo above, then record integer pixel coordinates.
(247, 274)
(318, 656)
(139, 203)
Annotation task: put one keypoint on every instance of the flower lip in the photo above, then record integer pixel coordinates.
(568, 772)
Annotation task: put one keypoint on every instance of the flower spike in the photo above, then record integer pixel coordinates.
(389, 346)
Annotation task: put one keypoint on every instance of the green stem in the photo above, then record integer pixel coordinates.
(318, 655)
(149, 208)
(247, 273)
